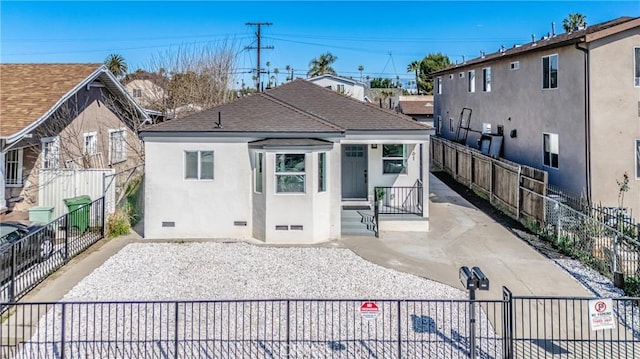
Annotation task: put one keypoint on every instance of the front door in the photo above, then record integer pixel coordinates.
(354, 172)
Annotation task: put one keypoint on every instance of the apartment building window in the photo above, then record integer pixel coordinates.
(259, 172)
(50, 152)
(636, 62)
(486, 79)
(514, 65)
(90, 143)
(550, 72)
(322, 172)
(439, 125)
(439, 85)
(137, 93)
(290, 173)
(394, 159)
(551, 149)
(13, 168)
(472, 81)
(117, 146)
(198, 165)
(638, 159)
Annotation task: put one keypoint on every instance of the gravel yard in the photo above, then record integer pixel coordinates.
(214, 272)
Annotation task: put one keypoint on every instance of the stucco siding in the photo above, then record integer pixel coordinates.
(615, 118)
(197, 208)
(518, 102)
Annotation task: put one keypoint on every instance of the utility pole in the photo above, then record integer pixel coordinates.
(258, 48)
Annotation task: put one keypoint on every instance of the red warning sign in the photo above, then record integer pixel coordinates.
(369, 310)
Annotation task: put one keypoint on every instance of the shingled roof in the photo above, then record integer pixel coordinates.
(298, 106)
(414, 107)
(587, 34)
(28, 91)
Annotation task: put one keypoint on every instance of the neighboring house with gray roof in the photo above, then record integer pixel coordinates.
(61, 116)
(420, 108)
(279, 166)
(568, 104)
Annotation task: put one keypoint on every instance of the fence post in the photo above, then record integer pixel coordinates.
(518, 193)
(614, 253)
(399, 333)
(288, 339)
(507, 323)
(12, 284)
(175, 331)
(67, 225)
(491, 180)
(62, 329)
(103, 218)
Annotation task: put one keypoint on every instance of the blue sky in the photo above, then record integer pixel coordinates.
(383, 36)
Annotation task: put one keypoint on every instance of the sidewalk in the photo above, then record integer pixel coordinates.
(462, 235)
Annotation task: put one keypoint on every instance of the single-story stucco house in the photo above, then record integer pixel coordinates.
(279, 166)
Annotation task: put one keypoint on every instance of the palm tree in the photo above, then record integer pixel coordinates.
(288, 68)
(116, 64)
(276, 72)
(415, 66)
(574, 22)
(360, 68)
(322, 65)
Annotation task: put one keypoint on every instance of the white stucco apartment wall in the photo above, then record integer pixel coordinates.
(351, 88)
(198, 208)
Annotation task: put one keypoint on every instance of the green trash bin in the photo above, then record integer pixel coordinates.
(79, 210)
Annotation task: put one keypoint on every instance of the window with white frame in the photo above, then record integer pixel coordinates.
(322, 172)
(514, 65)
(461, 75)
(439, 85)
(636, 63)
(450, 76)
(486, 79)
(551, 149)
(50, 152)
(90, 143)
(137, 92)
(550, 72)
(472, 81)
(13, 168)
(198, 165)
(259, 180)
(394, 159)
(290, 174)
(340, 88)
(117, 146)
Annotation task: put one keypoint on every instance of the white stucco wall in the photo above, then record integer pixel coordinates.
(199, 208)
(355, 90)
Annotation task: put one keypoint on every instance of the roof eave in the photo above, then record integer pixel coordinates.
(100, 70)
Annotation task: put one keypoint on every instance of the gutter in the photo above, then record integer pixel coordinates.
(587, 121)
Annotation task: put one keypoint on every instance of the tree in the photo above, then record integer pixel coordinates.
(289, 69)
(322, 65)
(430, 64)
(360, 68)
(196, 77)
(574, 22)
(415, 66)
(379, 82)
(276, 72)
(117, 65)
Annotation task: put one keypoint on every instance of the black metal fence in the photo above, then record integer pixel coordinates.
(514, 327)
(27, 261)
(398, 201)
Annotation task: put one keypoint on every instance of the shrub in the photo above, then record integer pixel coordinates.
(118, 224)
(632, 286)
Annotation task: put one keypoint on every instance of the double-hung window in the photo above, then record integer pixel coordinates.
(322, 172)
(117, 146)
(290, 173)
(638, 159)
(394, 159)
(551, 149)
(439, 85)
(471, 81)
(636, 63)
(486, 79)
(550, 72)
(50, 152)
(259, 180)
(198, 165)
(90, 143)
(13, 168)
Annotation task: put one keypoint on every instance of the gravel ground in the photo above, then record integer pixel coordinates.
(250, 328)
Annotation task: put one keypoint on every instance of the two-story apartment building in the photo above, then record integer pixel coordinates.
(568, 104)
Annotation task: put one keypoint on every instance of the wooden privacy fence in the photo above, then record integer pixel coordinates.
(517, 189)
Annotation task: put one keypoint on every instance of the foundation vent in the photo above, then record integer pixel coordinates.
(282, 228)
(296, 227)
(240, 223)
(168, 224)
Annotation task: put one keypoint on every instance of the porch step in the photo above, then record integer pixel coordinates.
(357, 223)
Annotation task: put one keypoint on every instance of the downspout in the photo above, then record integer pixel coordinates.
(587, 121)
